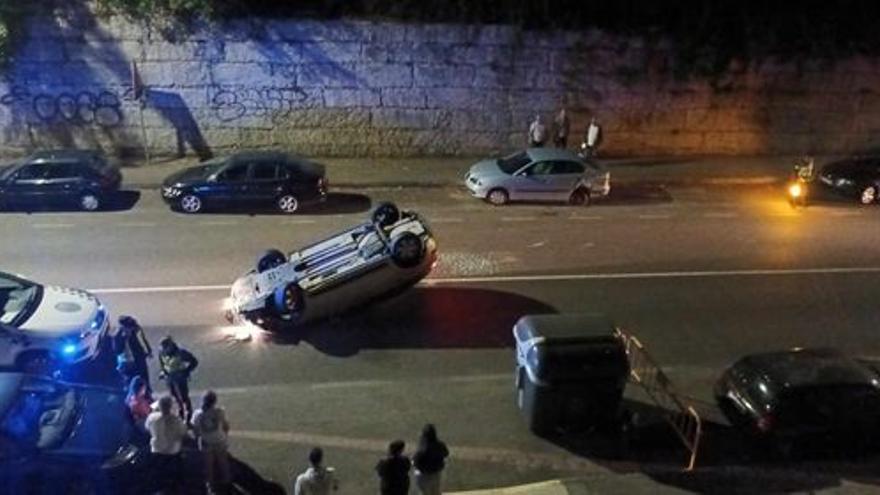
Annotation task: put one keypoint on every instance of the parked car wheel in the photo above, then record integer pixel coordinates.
(287, 204)
(386, 214)
(579, 197)
(269, 260)
(288, 300)
(407, 250)
(498, 197)
(190, 203)
(868, 195)
(89, 201)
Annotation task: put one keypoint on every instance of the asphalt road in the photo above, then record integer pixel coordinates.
(700, 275)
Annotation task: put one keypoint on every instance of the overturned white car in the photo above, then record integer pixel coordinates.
(391, 252)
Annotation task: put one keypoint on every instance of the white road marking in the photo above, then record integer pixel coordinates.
(137, 224)
(447, 220)
(588, 217)
(518, 219)
(654, 217)
(218, 223)
(538, 278)
(53, 225)
(537, 244)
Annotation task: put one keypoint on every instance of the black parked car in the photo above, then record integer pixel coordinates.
(248, 179)
(65, 178)
(858, 178)
(803, 395)
(69, 438)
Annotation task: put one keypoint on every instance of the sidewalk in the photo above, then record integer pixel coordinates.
(449, 171)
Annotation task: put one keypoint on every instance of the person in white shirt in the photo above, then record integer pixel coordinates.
(317, 479)
(167, 432)
(537, 132)
(593, 138)
(211, 427)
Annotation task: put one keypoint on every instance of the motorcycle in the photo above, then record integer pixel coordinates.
(799, 184)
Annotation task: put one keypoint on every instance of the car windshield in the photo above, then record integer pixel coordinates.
(17, 299)
(514, 162)
(38, 414)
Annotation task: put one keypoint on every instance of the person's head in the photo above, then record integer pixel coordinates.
(316, 457)
(165, 404)
(562, 112)
(209, 400)
(127, 322)
(396, 447)
(429, 434)
(168, 345)
(537, 117)
(136, 385)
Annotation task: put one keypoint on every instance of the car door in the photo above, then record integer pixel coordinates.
(533, 182)
(564, 178)
(28, 186)
(64, 183)
(230, 184)
(263, 184)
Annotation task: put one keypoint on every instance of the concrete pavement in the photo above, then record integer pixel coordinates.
(449, 171)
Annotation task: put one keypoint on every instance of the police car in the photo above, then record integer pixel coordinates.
(393, 250)
(42, 325)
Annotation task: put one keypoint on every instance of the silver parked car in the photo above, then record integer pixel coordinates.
(392, 251)
(539, 174)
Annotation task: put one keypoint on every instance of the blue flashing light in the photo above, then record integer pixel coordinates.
(68, 349)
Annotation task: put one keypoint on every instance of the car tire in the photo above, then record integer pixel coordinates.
(287, 204)
(579, 197)
(407, 250)
(89, 201)
(270, 259)
(288, 301)
(498, 197)
(190, 203)
(386, 214)
(868, 195)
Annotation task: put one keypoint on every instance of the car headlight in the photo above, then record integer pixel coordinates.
(843, 182)
(171, 192)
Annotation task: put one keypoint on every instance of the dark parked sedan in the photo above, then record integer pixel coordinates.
(858, 178)
(65, 178)
(248, 179)
(802, 395)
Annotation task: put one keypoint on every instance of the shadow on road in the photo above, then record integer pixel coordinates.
(628, 194)
(123, 200)
(423, 317)
(335, 203)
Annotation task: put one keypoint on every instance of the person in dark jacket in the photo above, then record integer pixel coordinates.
(393, 470)
(429, 461)
(132, 351)
(175, 366)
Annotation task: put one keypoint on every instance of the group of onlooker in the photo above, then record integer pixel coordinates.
(560, 130)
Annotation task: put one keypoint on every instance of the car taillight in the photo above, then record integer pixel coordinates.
(765, 423)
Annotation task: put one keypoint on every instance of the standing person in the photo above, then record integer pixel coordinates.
(317, 479)
(132, 350)
(167, 432)
(561, 127)
(393, 470)
(429, 461)
(593, 137)
(537, 132)
(139, 401)
(175, 366)
(211, 428)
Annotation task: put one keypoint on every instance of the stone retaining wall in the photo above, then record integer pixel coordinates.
(354, 88)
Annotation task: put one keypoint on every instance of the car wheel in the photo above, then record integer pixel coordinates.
(190, 203)
(579, 197)
(498, 197)
(287, 204)
(868, 195)
(386, 214)
(270, 259)
(407, 250)
(288, 300)
(89, 201)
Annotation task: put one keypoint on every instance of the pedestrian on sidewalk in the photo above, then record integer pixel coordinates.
(393, 470)
(167, 432)
(175, 366)
(593, 138)
(317, 479)
(429, 461)
(561, 127)
(211, 429)
(537, 132)
(132, 351)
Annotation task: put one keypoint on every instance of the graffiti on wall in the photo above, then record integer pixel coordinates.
(102, 108)
(275, 104)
